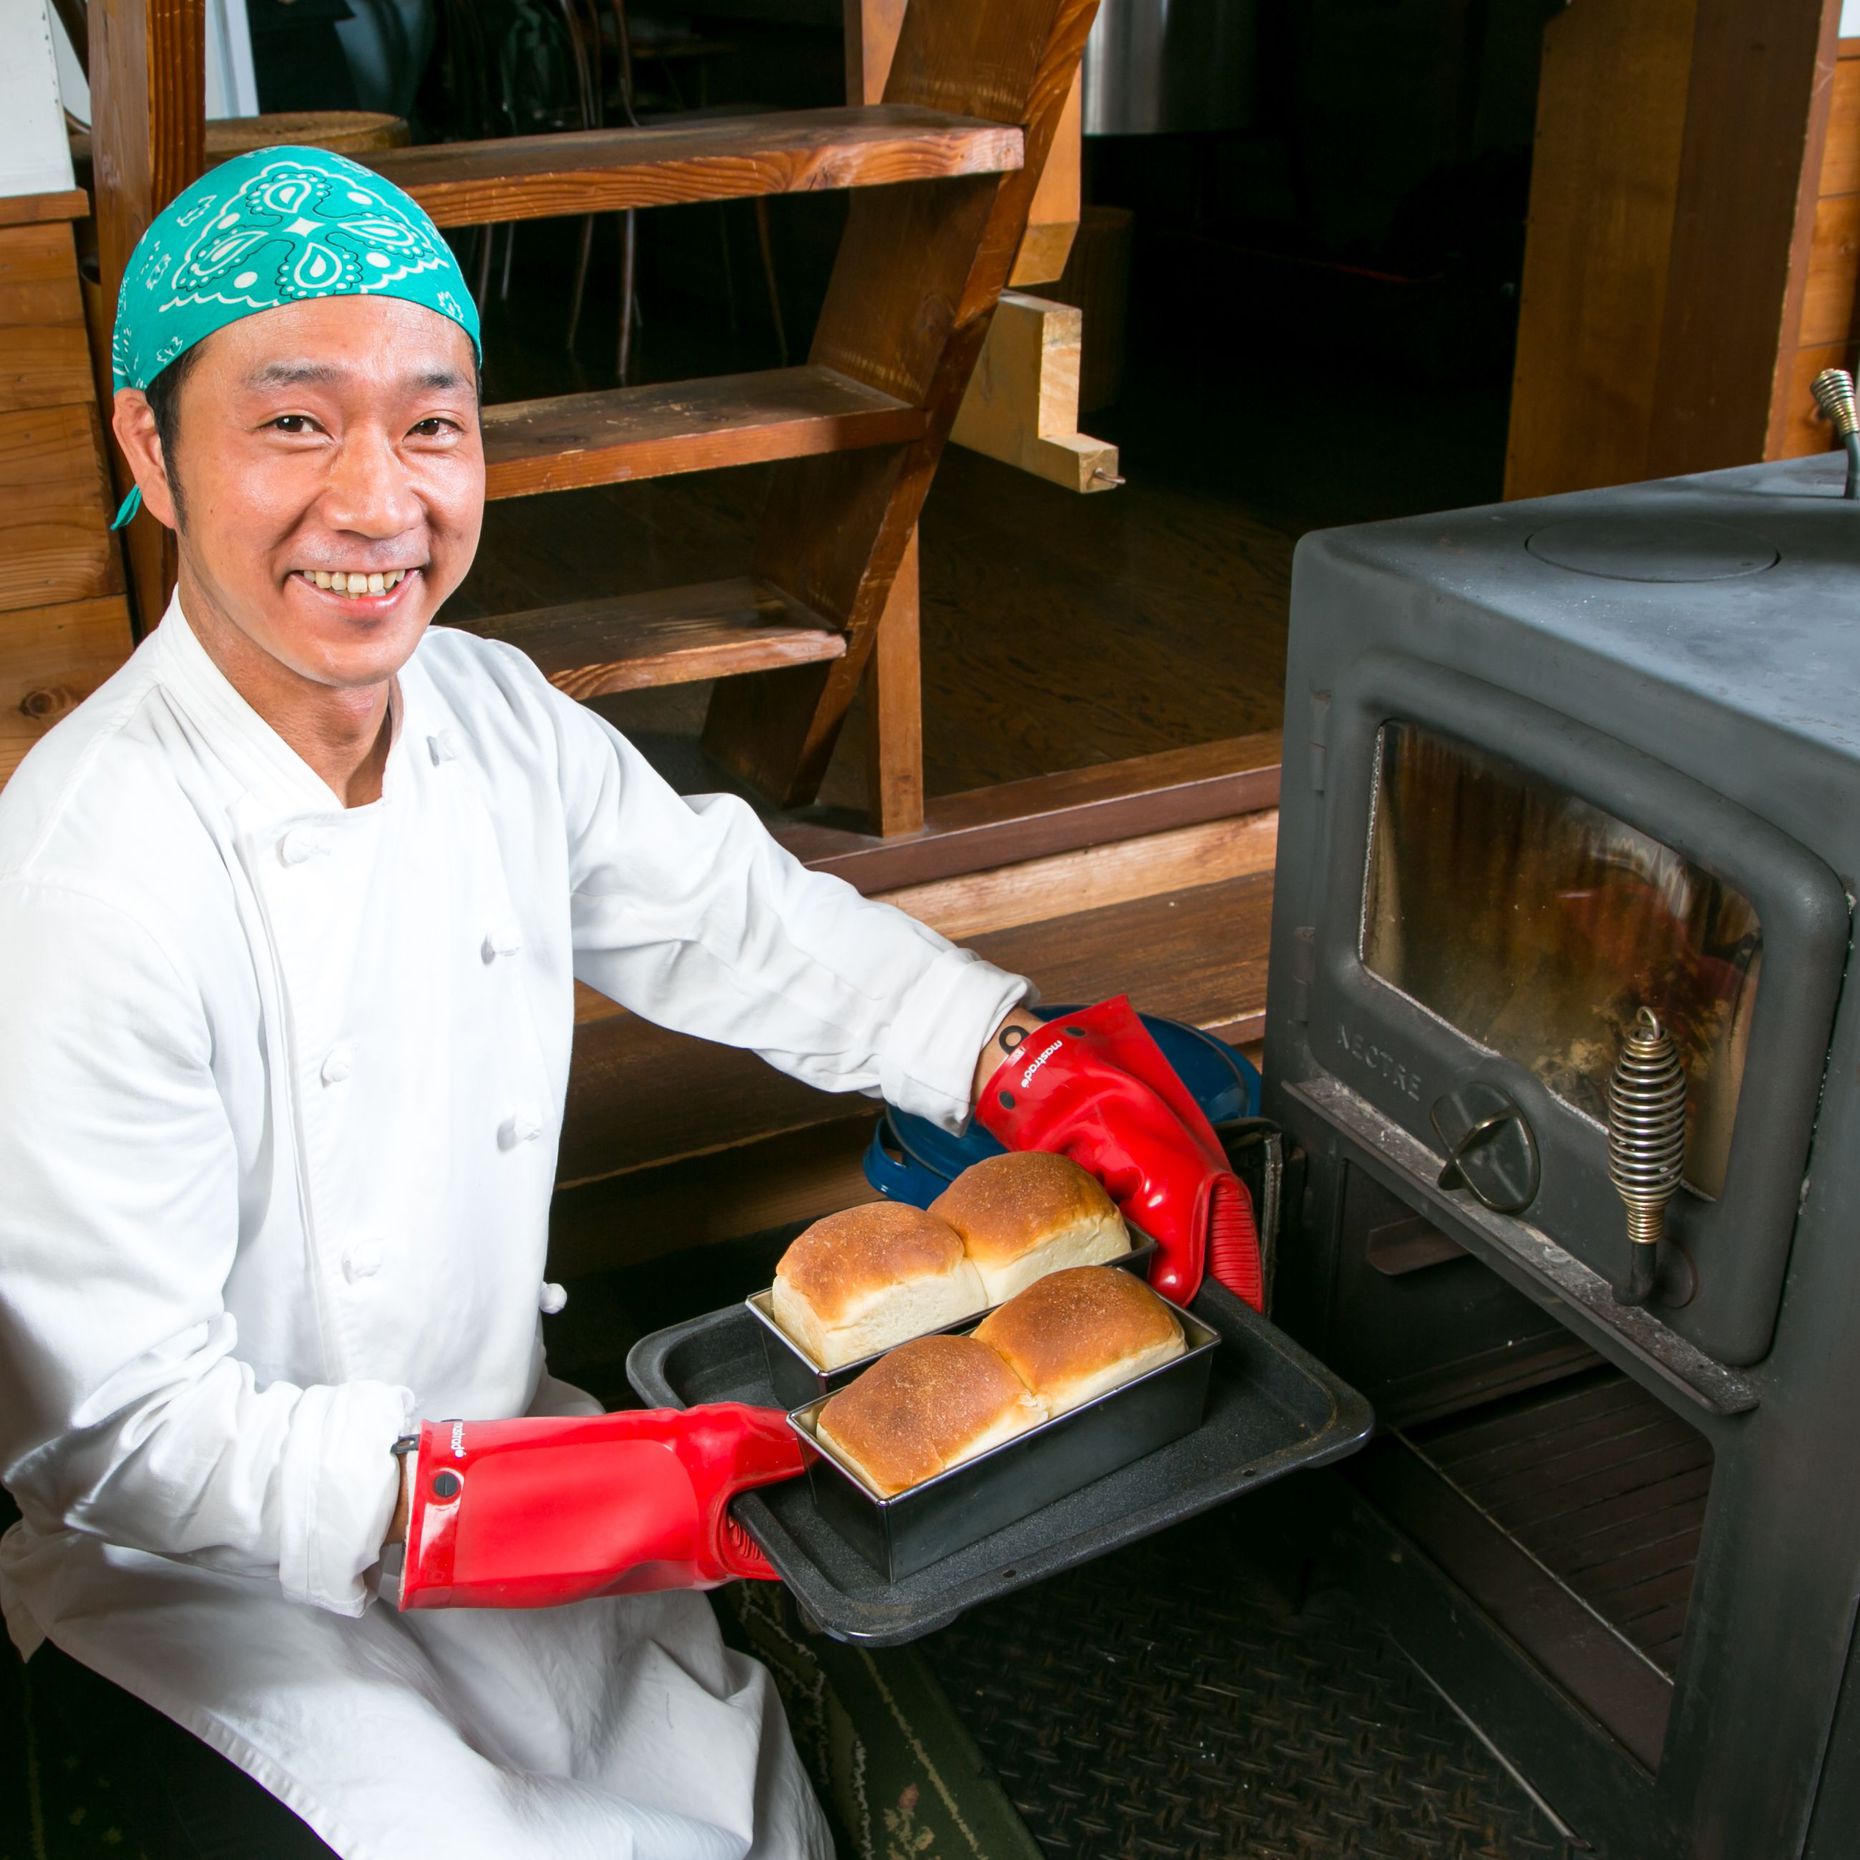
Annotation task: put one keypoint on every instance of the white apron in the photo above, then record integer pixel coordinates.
(280, 1088)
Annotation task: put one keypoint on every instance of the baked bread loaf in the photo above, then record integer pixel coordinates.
(1079, 1332)
(926, 1407)
(862, 1280)
(1026, 1214)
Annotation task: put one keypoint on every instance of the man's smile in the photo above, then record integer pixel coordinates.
(353, 584)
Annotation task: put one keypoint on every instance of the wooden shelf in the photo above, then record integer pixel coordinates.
(640, 1095)
(716, 629)
(727, 158)
(570, 441)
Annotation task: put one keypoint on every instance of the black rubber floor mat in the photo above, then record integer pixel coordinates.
(1182, 1700)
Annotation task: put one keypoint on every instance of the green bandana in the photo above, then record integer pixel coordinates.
(275, 227)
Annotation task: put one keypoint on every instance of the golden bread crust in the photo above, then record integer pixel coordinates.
(844, 1260)
(1071, 1325)
(1004, 1206)
(919, 1410)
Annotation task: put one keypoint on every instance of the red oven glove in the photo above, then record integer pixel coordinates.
(1095, 1087)
(525, 1514)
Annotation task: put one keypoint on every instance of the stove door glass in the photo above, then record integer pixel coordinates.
(1536, 924)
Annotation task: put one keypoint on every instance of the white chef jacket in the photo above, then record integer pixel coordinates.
(280, 1088)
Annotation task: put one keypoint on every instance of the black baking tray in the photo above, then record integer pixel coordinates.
(1272, 1409)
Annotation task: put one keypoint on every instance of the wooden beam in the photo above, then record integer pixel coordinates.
(1662, 255)
(916, 280)
(44, 352)
(148, 114)
(725, 158)
(1020, 820)
(569, 441)
(1022, 405)
(895, 707)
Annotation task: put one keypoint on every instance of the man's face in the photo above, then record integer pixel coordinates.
(315, 444)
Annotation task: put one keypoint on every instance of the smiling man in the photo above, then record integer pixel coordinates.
(291, 915)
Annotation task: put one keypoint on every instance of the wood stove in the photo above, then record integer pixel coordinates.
(1547, 765)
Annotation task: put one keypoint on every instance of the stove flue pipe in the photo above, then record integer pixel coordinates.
(1833, 390)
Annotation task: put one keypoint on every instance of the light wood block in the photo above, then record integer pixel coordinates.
(1022, 406)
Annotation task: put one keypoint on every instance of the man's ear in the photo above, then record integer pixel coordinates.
(134, 424)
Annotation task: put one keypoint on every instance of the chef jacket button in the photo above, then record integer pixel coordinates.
(440, 748)
(504, 940)
(338, 1063)
(300, 844)
(523, 1126)
(551, 1298)
(362, 1260)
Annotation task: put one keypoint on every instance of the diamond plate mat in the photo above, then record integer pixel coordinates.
(1189, 1699)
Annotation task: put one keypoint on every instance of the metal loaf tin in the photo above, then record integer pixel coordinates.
(900, 1535)
(797, 1380)
(1272, 1409)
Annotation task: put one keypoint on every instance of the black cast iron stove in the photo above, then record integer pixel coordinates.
(1556, 772)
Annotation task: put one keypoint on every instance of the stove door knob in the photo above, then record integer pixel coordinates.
(1491, 1148)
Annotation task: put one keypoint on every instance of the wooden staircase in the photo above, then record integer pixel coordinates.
(942, 173)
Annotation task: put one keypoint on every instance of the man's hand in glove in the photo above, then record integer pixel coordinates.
(527, 1513)
(1095, 1087)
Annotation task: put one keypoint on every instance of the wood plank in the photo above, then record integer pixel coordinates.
(1840, 153)
(1093, 877)
(640, 1095)
(1022, 404)
(148, 118)
(728, 158)
(39, 209)
(1829, 304)
(1015, 821)
(51, 659)
(44, 351)
(54, 543)
(568, 441)
(895, 699)
(917, 277)
(673, 636)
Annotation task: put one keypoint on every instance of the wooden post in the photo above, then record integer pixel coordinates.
(894, 699)
(148, 62)
(1675, 146)
(919, 270)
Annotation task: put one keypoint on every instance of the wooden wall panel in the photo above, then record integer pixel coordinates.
(54, 543)
(51, 659)
(1828, 325)
(44, 356)
(1679, 148)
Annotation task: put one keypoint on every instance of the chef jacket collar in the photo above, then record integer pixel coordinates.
(270, 767)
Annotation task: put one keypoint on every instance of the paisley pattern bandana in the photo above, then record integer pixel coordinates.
(278, 226)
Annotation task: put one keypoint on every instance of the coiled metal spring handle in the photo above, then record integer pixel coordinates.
(1833, 390)
(1646, 1144)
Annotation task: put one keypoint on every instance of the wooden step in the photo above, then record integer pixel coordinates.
(727, 158)
(671, 636)
(641, 1095)
(570, 441)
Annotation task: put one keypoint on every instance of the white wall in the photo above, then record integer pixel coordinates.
(34, 156)
(1850, 19)
(231, 88)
